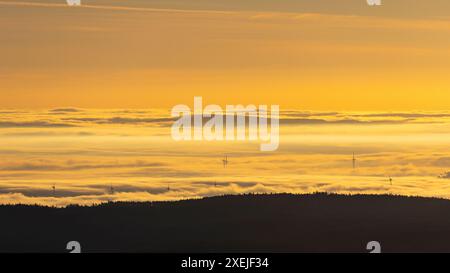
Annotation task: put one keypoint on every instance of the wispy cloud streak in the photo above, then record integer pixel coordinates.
(112, 8)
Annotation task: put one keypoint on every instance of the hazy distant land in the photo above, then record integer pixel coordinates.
(244, 223)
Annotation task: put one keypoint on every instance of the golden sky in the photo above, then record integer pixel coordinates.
(316, 55)
(349, 78)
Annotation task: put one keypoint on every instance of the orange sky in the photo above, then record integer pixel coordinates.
(339, 57)
(313, 57)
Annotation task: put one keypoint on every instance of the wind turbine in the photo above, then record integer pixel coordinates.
(354, 161)
(390, 180)
(225, 161)
(111, 189)
(54, 189)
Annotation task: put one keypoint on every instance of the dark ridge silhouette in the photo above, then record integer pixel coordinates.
(244, 223)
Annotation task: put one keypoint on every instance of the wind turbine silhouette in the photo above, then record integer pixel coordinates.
(111, 189)
(225, 161)
(390, 180)
(354, 160)
(54, 189)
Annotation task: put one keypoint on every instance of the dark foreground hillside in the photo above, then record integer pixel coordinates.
(250, 223)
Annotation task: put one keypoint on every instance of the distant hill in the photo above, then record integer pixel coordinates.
(244, 223)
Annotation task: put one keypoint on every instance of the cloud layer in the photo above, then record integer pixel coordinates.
(93, 156)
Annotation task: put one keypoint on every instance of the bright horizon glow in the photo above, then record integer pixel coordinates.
(84, 152)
